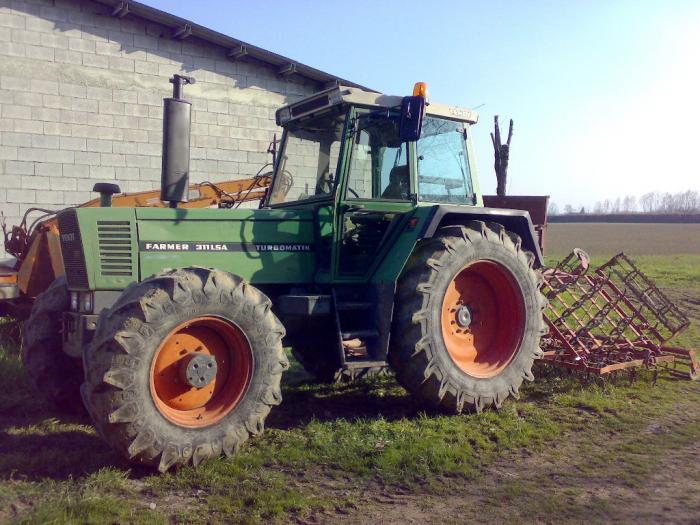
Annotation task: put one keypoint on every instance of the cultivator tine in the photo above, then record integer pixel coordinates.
(646, 296)
(611, 320)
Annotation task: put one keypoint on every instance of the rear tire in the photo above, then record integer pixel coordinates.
(469, 317)
(134, 387)
(55, 375)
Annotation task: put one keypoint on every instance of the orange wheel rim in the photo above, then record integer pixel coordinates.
(212, 337)
(483, 318)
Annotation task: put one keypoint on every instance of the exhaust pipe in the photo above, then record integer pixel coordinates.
(177, 119)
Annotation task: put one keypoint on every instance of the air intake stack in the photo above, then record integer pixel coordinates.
(177, 119)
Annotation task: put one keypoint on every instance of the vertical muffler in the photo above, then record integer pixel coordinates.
(177, 120)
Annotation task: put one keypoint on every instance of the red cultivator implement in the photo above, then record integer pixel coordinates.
(610, 319)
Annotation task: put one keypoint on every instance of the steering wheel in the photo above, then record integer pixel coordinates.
(325, 183)
(287, 182)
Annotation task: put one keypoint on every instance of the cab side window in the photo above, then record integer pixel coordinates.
(379, 163)
(443, 165)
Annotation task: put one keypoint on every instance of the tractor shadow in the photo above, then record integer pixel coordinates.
(45, 444)
(305, 400)
(38, 442)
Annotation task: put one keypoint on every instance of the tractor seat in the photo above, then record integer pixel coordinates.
(398, 184)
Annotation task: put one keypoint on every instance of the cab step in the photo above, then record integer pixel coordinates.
(359, 334)
(350, 365)
(353, 305)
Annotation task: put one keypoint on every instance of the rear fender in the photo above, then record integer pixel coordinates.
(516, 221)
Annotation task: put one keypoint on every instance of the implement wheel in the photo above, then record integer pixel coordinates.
(469, 318)
(185, 366)
(55, 375)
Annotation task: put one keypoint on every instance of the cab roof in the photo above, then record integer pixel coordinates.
(359, 97)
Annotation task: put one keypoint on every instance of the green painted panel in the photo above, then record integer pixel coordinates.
(262, 246)
(258, 268)
(391, 265)
(110, 246)
(218, 214)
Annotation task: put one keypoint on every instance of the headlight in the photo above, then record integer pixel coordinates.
(87, 302)
(74, 301)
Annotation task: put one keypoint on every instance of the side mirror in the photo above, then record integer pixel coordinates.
(412, 112)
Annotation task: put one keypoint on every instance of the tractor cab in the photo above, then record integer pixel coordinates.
(363, 161)
(351, 143)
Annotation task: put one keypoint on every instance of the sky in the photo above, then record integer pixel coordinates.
(605, 95)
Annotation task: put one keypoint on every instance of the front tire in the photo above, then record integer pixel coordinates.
(469, 317)
(138, 387)
(55, 375)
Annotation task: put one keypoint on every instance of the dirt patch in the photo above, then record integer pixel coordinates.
(603, 239)
(648, 477)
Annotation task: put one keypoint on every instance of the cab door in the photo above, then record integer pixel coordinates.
(375, 195)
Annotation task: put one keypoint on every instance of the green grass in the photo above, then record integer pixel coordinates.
(326, 444)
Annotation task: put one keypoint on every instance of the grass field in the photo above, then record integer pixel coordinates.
(600, 239)
(569, 451)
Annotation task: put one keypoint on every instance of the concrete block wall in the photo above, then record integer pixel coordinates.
(81, 102)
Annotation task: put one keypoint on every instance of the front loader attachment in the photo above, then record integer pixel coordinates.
(613, 318)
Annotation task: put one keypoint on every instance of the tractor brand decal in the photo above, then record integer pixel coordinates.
(460, 112)
(153, 246)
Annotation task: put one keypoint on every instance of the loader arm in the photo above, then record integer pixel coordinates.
(37, 249)
(201, 195)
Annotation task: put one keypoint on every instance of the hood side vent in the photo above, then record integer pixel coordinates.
(114, 241)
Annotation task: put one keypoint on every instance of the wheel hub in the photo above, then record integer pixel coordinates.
(198, 369)
(482, 318)
(185, 388)
(464, 316)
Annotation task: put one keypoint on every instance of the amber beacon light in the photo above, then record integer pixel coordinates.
(420, 89)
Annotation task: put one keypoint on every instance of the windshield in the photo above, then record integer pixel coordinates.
(443, 167)
(308, 158)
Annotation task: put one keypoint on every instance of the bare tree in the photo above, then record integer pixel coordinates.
(653, 202)
(629, 204)
(687, 201)
(616, 206)
(649, 201)
(682, 202)
(667, 203)
(501, 153)
(553, 209)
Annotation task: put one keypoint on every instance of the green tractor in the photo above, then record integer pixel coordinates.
(371, 249)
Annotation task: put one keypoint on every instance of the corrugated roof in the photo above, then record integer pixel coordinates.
(236, 49)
